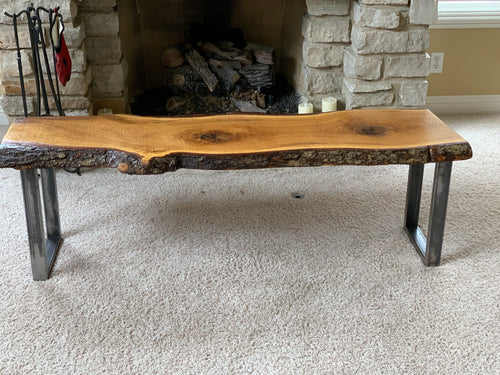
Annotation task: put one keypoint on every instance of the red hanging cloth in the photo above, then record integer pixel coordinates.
(63, 59)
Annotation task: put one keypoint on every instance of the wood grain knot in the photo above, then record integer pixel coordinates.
(372, 130)
(215, 136)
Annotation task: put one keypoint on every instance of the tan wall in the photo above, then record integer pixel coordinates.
(471, 62)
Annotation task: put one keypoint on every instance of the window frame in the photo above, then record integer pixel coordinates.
(468, 14)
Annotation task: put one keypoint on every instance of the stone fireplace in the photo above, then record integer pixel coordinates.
(366, 53)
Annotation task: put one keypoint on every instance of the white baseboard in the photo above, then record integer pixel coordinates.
(464, 104)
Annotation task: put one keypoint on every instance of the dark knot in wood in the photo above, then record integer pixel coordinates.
(215, 136)
(373, 130)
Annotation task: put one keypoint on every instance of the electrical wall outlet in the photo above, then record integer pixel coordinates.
(437, 59)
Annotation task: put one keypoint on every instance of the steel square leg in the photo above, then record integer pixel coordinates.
(44, 235)
(51, 204)
(429, 248)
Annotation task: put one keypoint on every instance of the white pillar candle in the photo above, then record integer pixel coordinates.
(329, 104)
(305, 108)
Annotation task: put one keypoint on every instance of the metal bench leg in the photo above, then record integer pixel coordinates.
(429, 248)
(44, 235)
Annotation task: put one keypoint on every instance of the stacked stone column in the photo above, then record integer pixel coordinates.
(326, 32)
(75, 95)
(386, 63)
(104, 54)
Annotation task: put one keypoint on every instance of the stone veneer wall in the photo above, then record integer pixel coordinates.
(367, 53)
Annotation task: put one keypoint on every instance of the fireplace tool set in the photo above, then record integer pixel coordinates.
(43, 67)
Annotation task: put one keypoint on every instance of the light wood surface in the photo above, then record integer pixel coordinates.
(154, 145)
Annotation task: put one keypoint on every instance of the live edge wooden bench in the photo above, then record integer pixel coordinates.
(145, 145)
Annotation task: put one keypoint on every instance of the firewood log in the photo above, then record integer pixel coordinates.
(201, 67)
(183, 78)
(263, 54)
(248, 107)
(172, 57)
(226, 71)
(210, 47)
(258, 76)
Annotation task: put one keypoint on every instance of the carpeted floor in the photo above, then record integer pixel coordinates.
(225, 273)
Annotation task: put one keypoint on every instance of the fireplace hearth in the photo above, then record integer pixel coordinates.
(366, 53)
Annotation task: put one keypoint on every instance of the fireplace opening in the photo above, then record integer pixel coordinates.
(216, 71)
(205, 57)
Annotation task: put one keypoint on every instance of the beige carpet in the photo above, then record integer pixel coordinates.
(226, 273)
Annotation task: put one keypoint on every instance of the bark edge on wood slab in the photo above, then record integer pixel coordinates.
(149, 145)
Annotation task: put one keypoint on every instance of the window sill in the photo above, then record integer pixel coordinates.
(464, 15)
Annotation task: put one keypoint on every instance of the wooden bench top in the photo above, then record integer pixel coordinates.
(149, 145)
